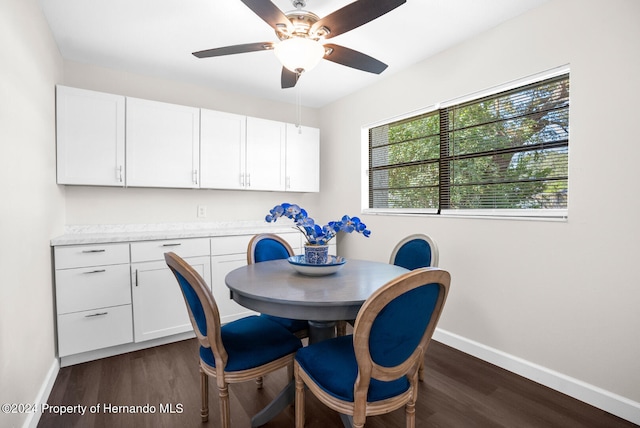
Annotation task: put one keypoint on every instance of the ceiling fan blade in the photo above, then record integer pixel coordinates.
(235, 49)
(353, 59)
(269, 13)
(354, 15)
(289, 78)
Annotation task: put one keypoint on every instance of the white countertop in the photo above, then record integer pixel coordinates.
(106, 233)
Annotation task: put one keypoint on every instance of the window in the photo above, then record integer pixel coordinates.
(500, 154)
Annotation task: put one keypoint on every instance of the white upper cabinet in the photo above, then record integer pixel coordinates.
(175, 146)
(265, 157)
(222, 150)
(303, 159)
(90, 137)
(163, 143)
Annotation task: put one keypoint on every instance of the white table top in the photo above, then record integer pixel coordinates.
(275, 288)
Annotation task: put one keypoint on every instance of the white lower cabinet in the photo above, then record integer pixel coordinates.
(159, 309)
(120, 297)
(220, 267)
(93, 297)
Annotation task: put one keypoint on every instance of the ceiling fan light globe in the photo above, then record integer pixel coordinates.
(299, 53)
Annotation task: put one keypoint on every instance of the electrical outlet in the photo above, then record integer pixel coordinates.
(202, 211)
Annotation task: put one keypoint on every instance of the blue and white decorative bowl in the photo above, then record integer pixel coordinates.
(333, 265)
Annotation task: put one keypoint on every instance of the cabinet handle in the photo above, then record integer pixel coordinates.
(195, 176)
(94, 251)
(171, 245)
(120, 174)
(96, 314)
(97, 271)
(241, 180)
(287, 183)
(248, 180)
(136, 277)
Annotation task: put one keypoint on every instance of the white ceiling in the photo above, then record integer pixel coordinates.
(156, 37)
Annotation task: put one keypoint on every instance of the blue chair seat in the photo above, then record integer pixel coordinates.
(288, 323)
(333, 367)
(251, 342)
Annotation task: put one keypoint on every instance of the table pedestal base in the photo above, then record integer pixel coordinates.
(321, 330)
(318, 331)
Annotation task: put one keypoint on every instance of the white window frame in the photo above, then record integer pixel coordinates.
(519, 214)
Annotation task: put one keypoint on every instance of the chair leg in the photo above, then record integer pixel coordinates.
(259, 382)
(290, 372)
(204, 392)
(223, 393)
(410, 410)
(341, 328)
(299, 401)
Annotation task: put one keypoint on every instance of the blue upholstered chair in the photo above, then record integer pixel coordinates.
(265, 247)
(375, 370)
(239, 351)
(415, 251)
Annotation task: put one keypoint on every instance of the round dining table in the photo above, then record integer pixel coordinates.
(276, 288)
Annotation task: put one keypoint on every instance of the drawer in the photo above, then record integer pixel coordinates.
(90, 255)
(238, 244)
(154, 250)
(82, 289)
(86, 331)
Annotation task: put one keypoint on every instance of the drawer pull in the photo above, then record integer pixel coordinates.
(94, 251)
(96, 314)
(171, 245)
(97, 271)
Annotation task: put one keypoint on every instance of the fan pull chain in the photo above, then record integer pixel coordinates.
(298, 109)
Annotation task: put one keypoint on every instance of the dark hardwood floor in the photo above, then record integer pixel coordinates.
(459, 391)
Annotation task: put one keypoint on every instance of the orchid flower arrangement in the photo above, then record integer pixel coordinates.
(314, 233)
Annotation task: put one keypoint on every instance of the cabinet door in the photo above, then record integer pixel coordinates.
(222, 150)
(90, 137)
(303, 159)
(220, 267)
(265, 154)
(162, 144)
(158, 306)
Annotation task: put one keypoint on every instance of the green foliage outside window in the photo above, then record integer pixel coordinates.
(507, 151)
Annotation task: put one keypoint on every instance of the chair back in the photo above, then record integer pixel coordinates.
(267, 246)
(415, 251)
(395, 325)
(201, 305)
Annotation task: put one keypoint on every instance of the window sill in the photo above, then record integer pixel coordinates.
(552, 217)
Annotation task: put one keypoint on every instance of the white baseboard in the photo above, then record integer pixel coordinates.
(590, 394)
(43, 394)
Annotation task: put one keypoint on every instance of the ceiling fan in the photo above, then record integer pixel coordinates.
(302, 35)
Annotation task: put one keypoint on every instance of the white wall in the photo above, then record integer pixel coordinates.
(32, 208)
(94, 205)
(563, 296)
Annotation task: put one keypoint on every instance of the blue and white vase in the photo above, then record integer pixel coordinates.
(316, 254)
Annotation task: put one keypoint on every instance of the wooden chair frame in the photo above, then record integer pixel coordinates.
(359, 409)
(434, 263)
(251, 249)
(213, 340)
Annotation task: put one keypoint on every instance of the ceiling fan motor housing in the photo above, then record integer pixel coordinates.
(302, 21)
